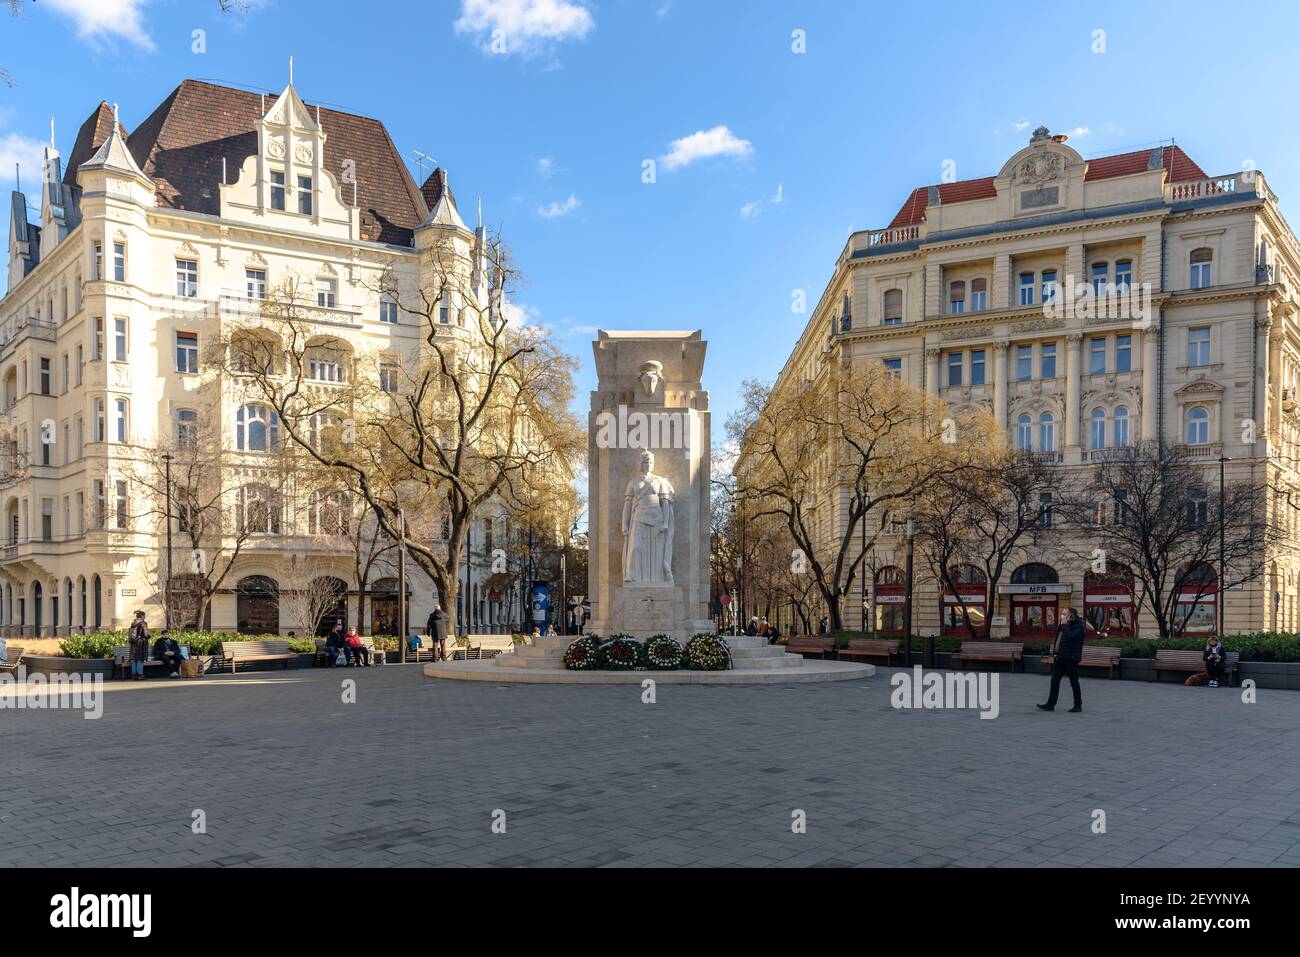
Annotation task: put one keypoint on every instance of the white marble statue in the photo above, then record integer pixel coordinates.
(648, 526)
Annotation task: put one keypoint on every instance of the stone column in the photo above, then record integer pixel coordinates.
(1001, 293)
(934, 301)
(1149, 397)
(1074, 266)
(1266, 373)
(932, 371)
(1275, 382)
(1000, 383)
(1073, 342)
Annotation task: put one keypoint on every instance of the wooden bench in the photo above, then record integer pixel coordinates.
(1094, 656)
(13, 656)
(233, 651)
(992, 651)
(1192, 662)
(322, 657)
(871, 648)
(122, 660)
(821, 647)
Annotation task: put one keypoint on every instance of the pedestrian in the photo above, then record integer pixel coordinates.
(1216, 658)
(752, 628)
(1067, 649)
(824, 626)
(138, 636)
(335, 645)
(166, 650)
(436, 629)
(763, 627)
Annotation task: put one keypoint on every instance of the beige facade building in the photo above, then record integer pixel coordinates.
(963, 294)
(147, 246)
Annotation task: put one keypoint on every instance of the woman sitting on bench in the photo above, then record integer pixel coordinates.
(356, 650)
(1216, 659)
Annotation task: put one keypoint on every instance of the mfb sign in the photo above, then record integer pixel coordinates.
(541, 602)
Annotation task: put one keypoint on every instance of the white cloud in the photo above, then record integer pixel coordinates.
(106, 19)
(29, 154)
(1079, 131)
(751, 210)
(779, 196)
(704, 144)
(545, 166)
(556, 210)
(520, 314)
(523, 26)
(1021, 125)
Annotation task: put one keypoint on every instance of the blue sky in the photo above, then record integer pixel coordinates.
(781, 154)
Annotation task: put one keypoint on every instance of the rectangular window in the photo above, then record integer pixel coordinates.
(119, 262)
(1045, 509)
(1049, 285)
(388, 379)
(97, 268)
(977, 367)
(47, 376)
(97, 338)
(81, 364)
(187, 278)
(119, 420)
(1124, 276)
(325, 370)
(1026, 289)
(255, 283)
(327, 293)
(304, 195)
(388, 309)
(98, 425)
(81, 513)
(1198, 346)
(66, 369)
(444, 315)
(957, 298)
(954, 368)
(1024, 363)
(277, 189)
(1123, 353)
(47, 519)
(187, 352)
(119, 340)
(101, 505)
(1096, 356)
(1047, 360)
(979, 295)
(1100, 275)
(123, 519)
(894, 368)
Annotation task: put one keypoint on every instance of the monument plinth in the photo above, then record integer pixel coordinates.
(648, 486)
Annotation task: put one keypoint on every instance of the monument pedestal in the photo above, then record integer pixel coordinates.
(645, 610)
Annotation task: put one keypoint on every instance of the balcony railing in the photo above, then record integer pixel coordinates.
(1200, 452)
(897, 234)
(41, 329)
(1249, 181)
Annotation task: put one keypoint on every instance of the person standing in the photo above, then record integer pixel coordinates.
(168, 652)
(436, 629)
(138, 637)
(1068, 650)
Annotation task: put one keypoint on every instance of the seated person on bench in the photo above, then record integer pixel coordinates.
(356, 650)
(1216, 658)
(168, 652)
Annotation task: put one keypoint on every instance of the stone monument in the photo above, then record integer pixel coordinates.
(648, 486)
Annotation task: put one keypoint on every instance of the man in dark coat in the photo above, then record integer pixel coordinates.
(335, 645)
(1068, 651)
(166, 650)
(436, 629)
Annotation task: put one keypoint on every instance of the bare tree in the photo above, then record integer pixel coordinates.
(1164, 524)
(307, 592)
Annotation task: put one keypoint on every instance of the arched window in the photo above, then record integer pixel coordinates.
(1024, 433)
(257, 429)
(1119, 431)
(1198, 426)
(259, 510)
(957, 297)
(187, 429)
(1034, 573)
(1202, 263)
(1097, 429)
(892, 314)
(1046, 432)
(328, 513)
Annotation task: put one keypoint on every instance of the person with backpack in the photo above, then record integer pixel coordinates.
(138, 638)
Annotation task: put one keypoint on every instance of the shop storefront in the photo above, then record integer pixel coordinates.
(1035, 593)
(1108, 606)
(1197, 611)
(889, 594)
(967, 607)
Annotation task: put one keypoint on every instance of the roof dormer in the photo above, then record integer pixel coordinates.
(291, 150)
(1044, 177)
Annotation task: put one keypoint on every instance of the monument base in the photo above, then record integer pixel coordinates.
(645, 610)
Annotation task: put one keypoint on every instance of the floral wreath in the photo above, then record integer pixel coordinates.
(582, 654)
(706, 652)
(620, 653)
(663, 653)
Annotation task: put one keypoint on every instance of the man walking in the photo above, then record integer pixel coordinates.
(1068, 650)
(436, 629)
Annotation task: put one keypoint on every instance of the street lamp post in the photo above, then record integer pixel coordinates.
(403, 626)
(1223, 461)
(907, 615)
(167, 585)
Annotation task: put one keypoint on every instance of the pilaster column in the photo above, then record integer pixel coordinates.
(1263, 373)
(1073, 342)
(933, 305)
(1149, 397)
(1001, 281)
(932, 371)
(1000, 383)
(1074, 266)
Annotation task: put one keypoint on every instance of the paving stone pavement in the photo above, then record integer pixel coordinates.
(411, 774)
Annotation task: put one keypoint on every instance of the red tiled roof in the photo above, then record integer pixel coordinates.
(90, 137)
(1179, 165)
(181, 144)
(433, 187)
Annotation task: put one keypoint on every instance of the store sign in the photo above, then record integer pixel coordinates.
(1092, 599)
(891, 599)
(1034, 589)
(976, 598)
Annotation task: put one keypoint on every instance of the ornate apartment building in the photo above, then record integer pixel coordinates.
(148, 245)
(964, 294)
